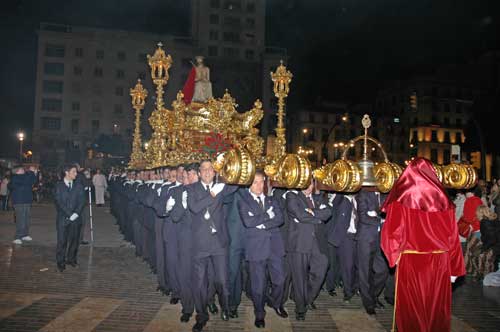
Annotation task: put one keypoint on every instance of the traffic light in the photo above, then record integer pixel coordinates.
(413, 101)
(475, 159)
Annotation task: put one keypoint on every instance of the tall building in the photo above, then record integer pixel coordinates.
(433, 112)
(84, 74)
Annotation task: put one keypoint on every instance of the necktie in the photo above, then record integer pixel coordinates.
(354, 213)
(261, 203)
(70, 184)
(310, 203)
(208, 188)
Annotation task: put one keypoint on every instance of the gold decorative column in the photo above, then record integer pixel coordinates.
(281, 79)
(138, 94)
(159, 64)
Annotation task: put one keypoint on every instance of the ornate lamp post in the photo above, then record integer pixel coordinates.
(281, 78)
(138, 94)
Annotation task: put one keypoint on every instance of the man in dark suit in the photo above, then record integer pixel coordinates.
(307, 263)
(209, 242)
(70, 200)
(264, 248)
(373, 269)
(342, 236)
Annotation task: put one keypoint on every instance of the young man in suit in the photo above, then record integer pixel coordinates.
(210, 241)
(264, 248)
(372, 266)
(308, 264)
(70, 200)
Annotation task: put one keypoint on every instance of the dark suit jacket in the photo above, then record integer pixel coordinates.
(368, 201)
(69, 201)
(199, 202)
(278, 196)
(341, 219)
(261, 244)
(302, 231)
(181, 220)
(235, 225)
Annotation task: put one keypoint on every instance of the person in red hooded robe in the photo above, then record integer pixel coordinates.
(420, 238)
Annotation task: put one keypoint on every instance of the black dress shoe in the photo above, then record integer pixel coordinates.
(370, 311)
(379, 305)
(389, 300)
(281, 312)
(73, 264)
(212, 307)
(301, 316)
(84, 243)
(233, 313)
(159, 288)
(224, 315)
(260, 323)
(198, 327)
(185, 318)
(61, 267)
(312, 306)
(332, 292)
(174, 300)
(347, 299)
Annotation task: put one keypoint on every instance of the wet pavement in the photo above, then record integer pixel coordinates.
(112, 290)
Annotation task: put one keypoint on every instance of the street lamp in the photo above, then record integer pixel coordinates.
(20, 137)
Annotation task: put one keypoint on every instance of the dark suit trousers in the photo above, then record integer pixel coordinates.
(274, 267)
(287, 285)
(201, 283)
(236, 265)
(346, 253)
(183, 271)
(68, 240)
(160, 253)
(308, 274)
(373, 269)
(171, 263)
(334, 275)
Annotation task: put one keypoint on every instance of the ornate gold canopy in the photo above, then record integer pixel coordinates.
(215, 130)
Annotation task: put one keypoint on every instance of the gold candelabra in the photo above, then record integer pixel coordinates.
(281, 79)
(138, 94)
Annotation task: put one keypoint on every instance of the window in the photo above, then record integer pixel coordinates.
(446, 121)
(95, 126)
(324, 134)
(446, 156)
(52, 86)
(447, 137)
(250, 38)
(249, 54)
(79, 52)
(49, 123)
(414, 136)
(118, 110)
(251, 7)
(232, 21)
(434, 136)
(99, 54)
(74, 126)
(231, 52)
(75, 106)
(51, 105)
(116, 129)
(459, 138)
(447, 107)
(53, 50)
(142, 57)
(250, 22)
(214, 19)
(53, 68)
(212, 51)
(231, 37)
(96, 107)
(119, 91)
(98, 72)
(77, 70)
(214, 3)
(459, 122)
(120, 74)
(434, 155)
(232, 4)
(434, 119)
(121, 56)
(214, 35)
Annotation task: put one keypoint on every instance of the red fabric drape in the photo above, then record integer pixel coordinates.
(469, 216)
(188, 89)
(420, 236)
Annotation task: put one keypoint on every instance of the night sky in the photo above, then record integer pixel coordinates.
(339, 50)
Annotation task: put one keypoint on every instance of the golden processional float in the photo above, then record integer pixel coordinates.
(215, 130)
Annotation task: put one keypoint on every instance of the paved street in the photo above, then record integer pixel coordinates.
(112, 290)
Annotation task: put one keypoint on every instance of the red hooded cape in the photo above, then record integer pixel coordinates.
(420, 236)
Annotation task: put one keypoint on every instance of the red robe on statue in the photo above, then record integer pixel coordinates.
(420, 237)
(188, 89)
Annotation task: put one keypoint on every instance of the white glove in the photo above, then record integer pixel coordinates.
(331, 197)
(261, 226)
(217, 188)
(270, 213)
(322, 206)
(170, 203)
(184, 199)
(73, 217)
(310, 211)
(371, 213)
(453, 278)
(158, 191)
